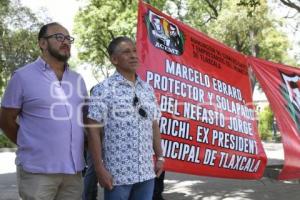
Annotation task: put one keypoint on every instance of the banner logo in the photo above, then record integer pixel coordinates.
(163, 34)
(291, 93)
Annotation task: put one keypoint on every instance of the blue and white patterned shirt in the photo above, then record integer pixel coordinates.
(128, 136)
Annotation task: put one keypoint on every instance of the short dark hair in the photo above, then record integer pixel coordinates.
(115, 42)
(43, 30)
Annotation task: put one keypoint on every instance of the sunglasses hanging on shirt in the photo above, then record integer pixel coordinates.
(141, 111)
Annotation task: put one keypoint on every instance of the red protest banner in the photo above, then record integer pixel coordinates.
(208, 122)
(281, 84)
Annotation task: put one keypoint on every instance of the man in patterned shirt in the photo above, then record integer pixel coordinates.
(124, 111)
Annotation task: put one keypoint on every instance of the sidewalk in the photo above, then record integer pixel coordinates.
(189, 187)
(207, 188)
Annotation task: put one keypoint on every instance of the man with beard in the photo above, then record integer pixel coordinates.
(47, 97)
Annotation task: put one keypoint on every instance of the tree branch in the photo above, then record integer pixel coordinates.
(213, 8)
(291, 5)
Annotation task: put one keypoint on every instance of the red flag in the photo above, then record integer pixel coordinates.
(208, 124)
(281, 85)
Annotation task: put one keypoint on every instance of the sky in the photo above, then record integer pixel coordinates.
(62, 11)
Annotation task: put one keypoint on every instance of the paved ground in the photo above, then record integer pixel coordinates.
(188, 187)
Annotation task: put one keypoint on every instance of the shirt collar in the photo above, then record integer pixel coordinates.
(44, 66)
(119, 77)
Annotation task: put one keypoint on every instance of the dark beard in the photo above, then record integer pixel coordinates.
(55, 54)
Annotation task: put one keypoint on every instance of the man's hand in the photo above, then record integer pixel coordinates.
(159, 167)
(105, 179)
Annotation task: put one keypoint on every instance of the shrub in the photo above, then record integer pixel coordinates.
(266, 118)
(5, 142)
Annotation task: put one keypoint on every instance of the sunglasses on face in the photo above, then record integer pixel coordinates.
(61, 37)
(141, 111)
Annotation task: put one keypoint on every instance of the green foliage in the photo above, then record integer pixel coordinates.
(99, 22)
(253, 4)
(228, 21)
(18, 38)
(255, 35)
(5, 142)
(200, 12)
(265, 127)
(250, 3)
(277, 138)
